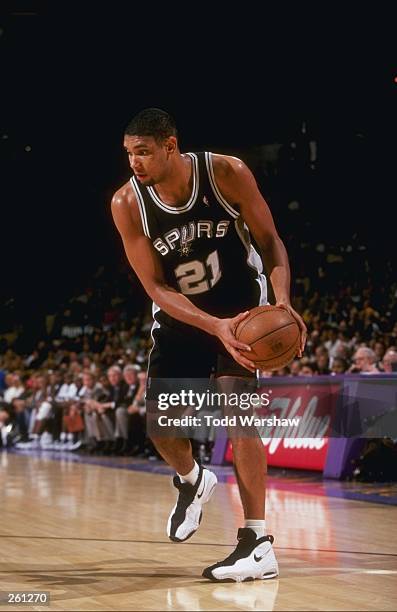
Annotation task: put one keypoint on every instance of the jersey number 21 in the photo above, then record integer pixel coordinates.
(198, 277)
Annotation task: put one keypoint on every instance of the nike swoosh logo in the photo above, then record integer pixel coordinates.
(257, 559)
(202, 491)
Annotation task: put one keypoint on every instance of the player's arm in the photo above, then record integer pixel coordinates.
(147, 266)
(238, 186)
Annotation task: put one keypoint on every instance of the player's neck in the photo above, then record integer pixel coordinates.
(176, 188)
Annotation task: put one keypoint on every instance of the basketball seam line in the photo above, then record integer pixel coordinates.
(272, 332)
(273, 363)
(257, 315)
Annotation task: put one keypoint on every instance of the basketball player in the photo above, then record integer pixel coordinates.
(185, 221)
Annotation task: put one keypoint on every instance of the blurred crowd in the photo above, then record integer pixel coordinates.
(80, 385)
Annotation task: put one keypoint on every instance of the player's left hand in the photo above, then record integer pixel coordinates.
(303, 329)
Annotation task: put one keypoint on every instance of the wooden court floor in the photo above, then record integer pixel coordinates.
(94, 537)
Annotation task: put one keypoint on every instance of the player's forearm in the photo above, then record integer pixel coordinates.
(181, 308)
(277, 267)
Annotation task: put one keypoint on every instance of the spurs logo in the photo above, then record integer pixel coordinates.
(185, 249)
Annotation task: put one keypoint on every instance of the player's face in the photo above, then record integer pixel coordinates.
(148, 158)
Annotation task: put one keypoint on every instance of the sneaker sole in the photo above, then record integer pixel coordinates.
(175, 539)
(247, 579)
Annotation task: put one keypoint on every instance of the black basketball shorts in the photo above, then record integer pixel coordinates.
(188, 352)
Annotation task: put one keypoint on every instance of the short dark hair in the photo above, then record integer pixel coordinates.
(152, 122)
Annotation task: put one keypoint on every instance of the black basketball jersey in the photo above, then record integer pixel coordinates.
(204, 246)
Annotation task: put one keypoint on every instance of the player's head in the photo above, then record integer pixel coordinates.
(150, 140)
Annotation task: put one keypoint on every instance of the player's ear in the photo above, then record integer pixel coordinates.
(171, 144)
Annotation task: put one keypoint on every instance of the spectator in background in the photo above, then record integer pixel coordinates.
(379, 350)
(339, 366)
(105, 410)
(5, 421)
(389, 361)
(68, 389)
(15, 388)
(123, 414)
(331, 344)
(285, 371)
(308, 369)
(90, 393)
(39, 407)
(322, 361)
(364, 361)
(295, 367)
(136, 418)
(2, 377)
(55, 382)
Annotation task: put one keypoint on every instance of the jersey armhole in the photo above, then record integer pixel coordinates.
(141, 207)
(211, 175)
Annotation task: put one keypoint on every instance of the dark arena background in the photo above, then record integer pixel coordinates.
(84, 499)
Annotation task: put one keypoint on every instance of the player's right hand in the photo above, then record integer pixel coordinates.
(224, 330)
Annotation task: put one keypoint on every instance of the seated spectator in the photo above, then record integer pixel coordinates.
(5, 422)
(331, 343)
(2, 377)
(39, 412)
(322, 362)
(72, 427)
(389, 361)
(55, 382)
(295, 367)
(21, 418)
(379, 350)
(364, 361)
(136, 418)
(90, 393)
(105, 412)
(68, 389)
(339, 366)
(127, 417)
(308, 369)
(15, 387)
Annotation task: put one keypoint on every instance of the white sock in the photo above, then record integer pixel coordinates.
(256, 525)
(191, 476)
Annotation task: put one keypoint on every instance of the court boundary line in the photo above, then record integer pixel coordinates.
(326, 550)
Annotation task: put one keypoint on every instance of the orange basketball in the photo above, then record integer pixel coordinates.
(273, 335)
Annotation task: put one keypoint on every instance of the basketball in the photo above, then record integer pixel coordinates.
(273, 335)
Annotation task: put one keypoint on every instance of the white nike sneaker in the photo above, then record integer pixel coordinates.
(253, 559)
(185, 516)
